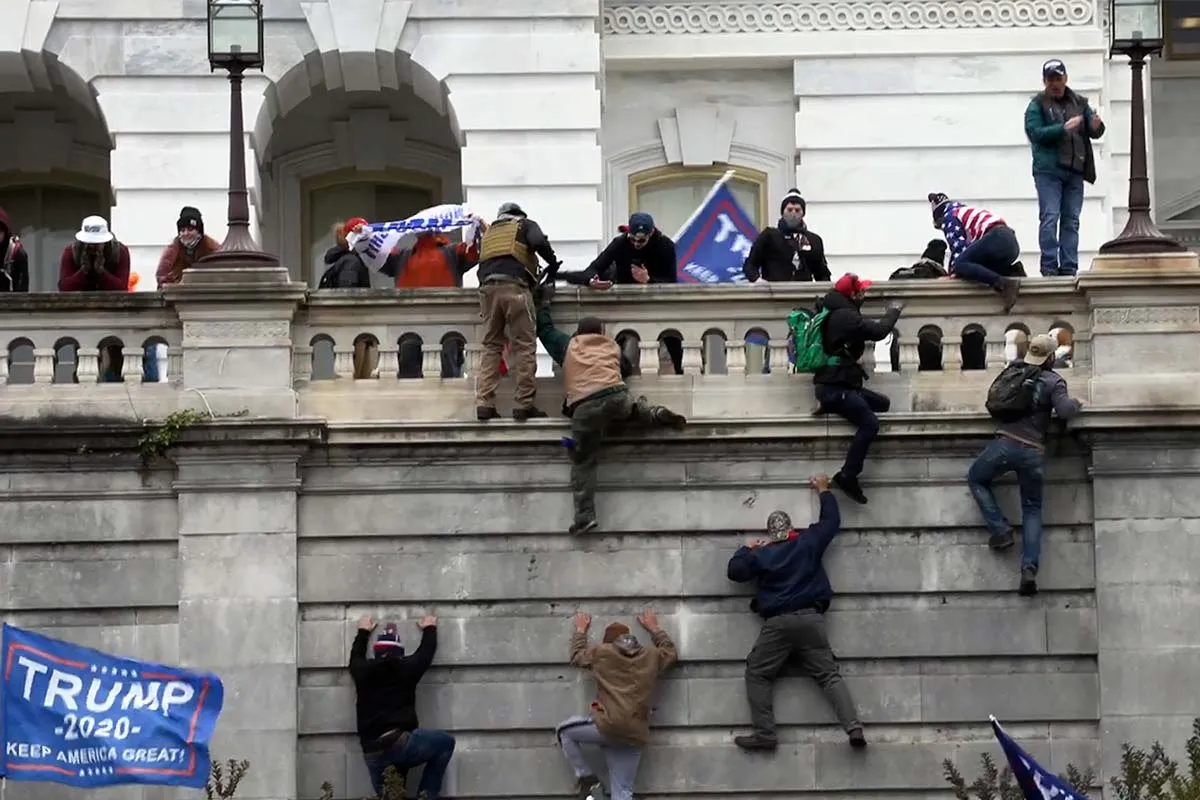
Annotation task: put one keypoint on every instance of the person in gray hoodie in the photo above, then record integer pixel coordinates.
(1023, 398)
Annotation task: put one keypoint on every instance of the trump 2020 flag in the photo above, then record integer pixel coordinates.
(1036, 782)
(439, 219)
(77, 716)
(714, 242)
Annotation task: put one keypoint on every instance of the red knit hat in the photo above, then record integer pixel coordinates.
(850, 284)
(354, 223)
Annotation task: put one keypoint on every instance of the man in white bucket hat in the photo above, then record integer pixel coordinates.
(96, 262)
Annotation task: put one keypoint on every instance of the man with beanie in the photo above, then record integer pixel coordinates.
(14, 261)
(839, 386)
(930, 266)
(793, 595)
(386, 689)
(189, 246)
(982, 246)
(789, 251)
(508, 274)
(1022, 399)
(626, 673)
(598, 398)
(1060, 126)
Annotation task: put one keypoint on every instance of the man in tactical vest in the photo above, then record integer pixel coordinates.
(508, 273)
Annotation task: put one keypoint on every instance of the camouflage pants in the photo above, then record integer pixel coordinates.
(590, 421)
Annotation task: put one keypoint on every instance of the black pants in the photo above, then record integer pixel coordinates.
(858, 407)
(798, 637)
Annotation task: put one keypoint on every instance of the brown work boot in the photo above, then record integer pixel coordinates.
(484, 413)
(756, 741)
(533, 412)
(1009, 288)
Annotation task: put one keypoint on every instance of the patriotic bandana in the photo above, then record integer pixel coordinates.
(779, 525)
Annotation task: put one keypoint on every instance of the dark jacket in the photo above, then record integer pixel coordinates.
(1051, 398)
(386, 688)
(789, 573)
(530, 235)
(774, 251)
(615, 262)
(112, 276)
(346, 270)
(14, 261)
(1045, 128)
(845, 334)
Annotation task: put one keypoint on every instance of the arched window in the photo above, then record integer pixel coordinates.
(46, 215)
(670, 194)
(377, 197)
(1182, 29)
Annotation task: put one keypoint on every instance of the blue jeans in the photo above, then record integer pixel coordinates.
(1060, 201)
(422, 746)
(989, 258)
(858, 407)
(1001, 456)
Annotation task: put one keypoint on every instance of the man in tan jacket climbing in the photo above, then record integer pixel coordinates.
(626, 674)
(597, 398)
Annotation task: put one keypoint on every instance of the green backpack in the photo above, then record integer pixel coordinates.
(806, 353)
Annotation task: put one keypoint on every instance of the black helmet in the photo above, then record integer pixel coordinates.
(511, 209)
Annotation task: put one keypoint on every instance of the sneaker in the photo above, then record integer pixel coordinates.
(522, 414)
(1009, 288)
(1001, 541)
(1028, 587)
(850, 487)
(585, 786)
(857, 740)
(484, 413)
(756, 741)
(583, 526)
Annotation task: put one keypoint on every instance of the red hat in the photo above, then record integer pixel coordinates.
(353, 224)
(850, 284)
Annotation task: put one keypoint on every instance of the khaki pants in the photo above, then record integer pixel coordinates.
(508, 315)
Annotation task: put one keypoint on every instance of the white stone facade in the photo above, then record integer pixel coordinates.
(370, 107)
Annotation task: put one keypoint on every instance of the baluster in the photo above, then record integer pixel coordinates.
(777, 349)
(343, 362)
(473, 356)
(4, 355)
(132, 365)
(87, 364)
(174, 363)
(910, 359)
(389, 361)
(43, 364)
(735, 356)
(952, 359)
(995, 352)
(302, 364)
(647, 357)
(431, 360)
(693, 357)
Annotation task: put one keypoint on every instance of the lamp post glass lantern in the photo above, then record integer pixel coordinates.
(1135, 30)
(235, 44)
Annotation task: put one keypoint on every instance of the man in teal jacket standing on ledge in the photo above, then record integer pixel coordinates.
(793, 596)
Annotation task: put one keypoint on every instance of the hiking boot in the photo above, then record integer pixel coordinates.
(850, 487)
(1009, 288)
(1028, 587)
(1001, 541)
(857, 740)
(756, 741)
(582, 526)
(584, 786)
(667, 417)
(484, 413)
(533, 412)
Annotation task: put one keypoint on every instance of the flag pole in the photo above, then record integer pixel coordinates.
(716, 186)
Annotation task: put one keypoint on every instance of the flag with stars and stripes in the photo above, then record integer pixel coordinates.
(73, 715)
(1036, 782)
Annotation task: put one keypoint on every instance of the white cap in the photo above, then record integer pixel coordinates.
(94, 230)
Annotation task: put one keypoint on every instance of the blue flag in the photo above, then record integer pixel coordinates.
(77, 716)
(714, 242)
(1036, 782)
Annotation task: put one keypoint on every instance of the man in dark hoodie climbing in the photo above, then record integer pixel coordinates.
(793, 595)
(626, 674)
(386, 689)
(789, 251)
(839, 386)
(597, 398)
(14, 267)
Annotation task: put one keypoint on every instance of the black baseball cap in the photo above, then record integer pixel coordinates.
(1054, 66)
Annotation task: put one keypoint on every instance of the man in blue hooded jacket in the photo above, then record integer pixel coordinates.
(793, 595)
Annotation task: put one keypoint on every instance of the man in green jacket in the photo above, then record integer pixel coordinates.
(1060, 126)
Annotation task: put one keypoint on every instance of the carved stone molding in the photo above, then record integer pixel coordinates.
(220, 332)
(1142, 316)
(882, 15)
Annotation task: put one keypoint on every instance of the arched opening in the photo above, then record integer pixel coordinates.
(326, 154)
(974, 347)
(55, 153)
(929, 349)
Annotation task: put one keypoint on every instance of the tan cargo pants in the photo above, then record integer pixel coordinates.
(508, 315)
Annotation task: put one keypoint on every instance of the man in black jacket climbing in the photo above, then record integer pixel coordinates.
(386, 688)
(793, 595)
(839, 387)
(789, 251)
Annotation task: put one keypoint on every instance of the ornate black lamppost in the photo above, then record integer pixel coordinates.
(1135, 29)
(235, 44)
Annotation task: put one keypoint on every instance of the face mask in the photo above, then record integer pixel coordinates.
(189, 238)
(793, 220)
(627, 644)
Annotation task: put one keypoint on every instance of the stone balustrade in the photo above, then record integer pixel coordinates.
(383, 354)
